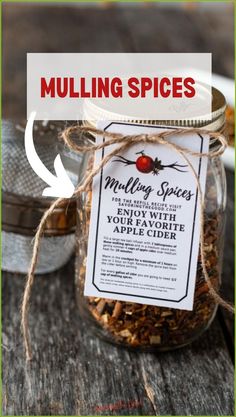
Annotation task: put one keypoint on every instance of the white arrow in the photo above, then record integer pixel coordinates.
(59, 185)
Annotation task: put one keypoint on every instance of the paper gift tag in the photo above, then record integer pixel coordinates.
(145, 221)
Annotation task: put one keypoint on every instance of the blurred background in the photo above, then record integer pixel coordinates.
(121, 27)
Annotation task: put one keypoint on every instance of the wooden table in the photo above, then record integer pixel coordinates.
(75, 373)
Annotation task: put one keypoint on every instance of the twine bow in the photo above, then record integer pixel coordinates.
(123, 142)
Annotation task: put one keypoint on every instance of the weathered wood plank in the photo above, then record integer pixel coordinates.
(75, 373)
(51, 29)
(174, 30)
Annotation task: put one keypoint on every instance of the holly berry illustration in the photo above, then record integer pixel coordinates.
(144, 164)
(147, 164)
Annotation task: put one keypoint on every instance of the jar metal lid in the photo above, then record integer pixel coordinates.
(22, 215)
(95, 110)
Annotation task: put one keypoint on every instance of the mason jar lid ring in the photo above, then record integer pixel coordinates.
(215, 120)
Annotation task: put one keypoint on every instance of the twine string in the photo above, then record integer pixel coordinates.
(124, 142)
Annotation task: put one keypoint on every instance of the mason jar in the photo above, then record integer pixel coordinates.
(150, 327)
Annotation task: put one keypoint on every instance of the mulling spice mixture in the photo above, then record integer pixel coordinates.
(146, 326)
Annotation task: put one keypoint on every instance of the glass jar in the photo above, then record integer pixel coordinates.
(149, 327)
(23, 204)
